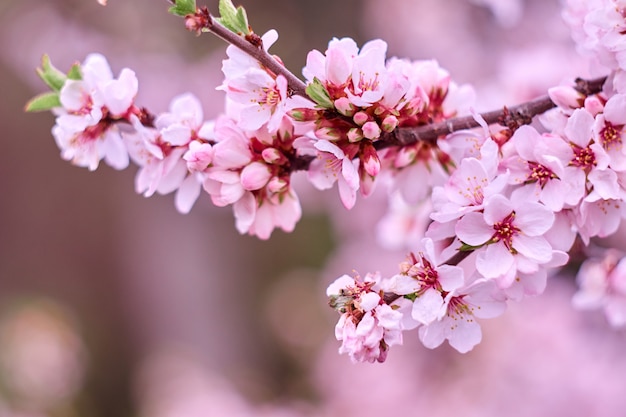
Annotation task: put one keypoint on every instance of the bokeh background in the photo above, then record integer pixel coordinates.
(116, 305)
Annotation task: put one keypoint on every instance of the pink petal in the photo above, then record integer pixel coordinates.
(428, 307)
(497, 207)
(245, 211)
(535, 248)
(534, 219)
(494, 260)
(187, 194)
(465, 335)
(473, 230)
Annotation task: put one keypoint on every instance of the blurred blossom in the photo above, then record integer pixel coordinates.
(507, 12)
(174, 383)
(293, 309)
(42, 357)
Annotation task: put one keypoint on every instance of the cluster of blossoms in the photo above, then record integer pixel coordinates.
(598, 29)
(513, 210)
(506, 204)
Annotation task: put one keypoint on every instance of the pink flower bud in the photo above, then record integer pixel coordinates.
(304, 114)
(390, 123)
(344, 106)
(277, 185)
(371, 130)
(328, 133)
(566, 97)
(355, 134)
(273, 156)
(254, 176)
(371, 163)
(360, 118)
(594, 105)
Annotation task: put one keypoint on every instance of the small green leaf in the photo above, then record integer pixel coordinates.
(183, 8)
(318, 93)
(468, 248)
(242, 20)
(50, 75)
(412, 296)
(74, 73)
(234, 18)
(43, 102)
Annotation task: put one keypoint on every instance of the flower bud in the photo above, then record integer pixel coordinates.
(355, 134)
(277, 185)
(371, 130)
(371, 162)
(360, 118)
(566, 97)
(273, 156)
(345, 107)
(390, 123)
(303, 114)
(255, 175)
(328, 133)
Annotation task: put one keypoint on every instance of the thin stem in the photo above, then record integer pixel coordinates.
(256, 51)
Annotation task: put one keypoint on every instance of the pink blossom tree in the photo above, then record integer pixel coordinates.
(504, 198)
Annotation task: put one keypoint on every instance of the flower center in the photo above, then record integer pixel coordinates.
(539, 173)
(368, 84)
(457, 308)
(424, 272)
(269, 96)
(505, 230)
(611, 136)
(583, 158)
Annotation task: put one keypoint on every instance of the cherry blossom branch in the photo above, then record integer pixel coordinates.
(250, 44)
(512, 117)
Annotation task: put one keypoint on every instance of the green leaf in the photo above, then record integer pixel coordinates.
(468, 248)
(43, 102)
(74, 73)
(50, 75)
(183, 8)
(412, 296)
(318, 93)
(233, 18)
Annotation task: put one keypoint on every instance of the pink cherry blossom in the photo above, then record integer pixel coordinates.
(602, 283)
(261, 96)
(589, 160)
(469, 185)
(609, 131)
(430, 282)
(333, 165)
(507, 231)
(368, 326)
(458, 325)
(538, 167)
(161, 168)
(83, 129)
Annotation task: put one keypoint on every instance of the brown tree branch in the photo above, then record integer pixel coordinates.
(511, 117)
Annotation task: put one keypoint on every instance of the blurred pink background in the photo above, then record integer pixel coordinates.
(116, 305)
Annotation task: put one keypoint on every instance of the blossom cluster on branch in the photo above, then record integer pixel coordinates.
(508, 194)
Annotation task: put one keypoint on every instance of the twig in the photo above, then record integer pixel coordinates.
(249, 44)
(516, 116)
